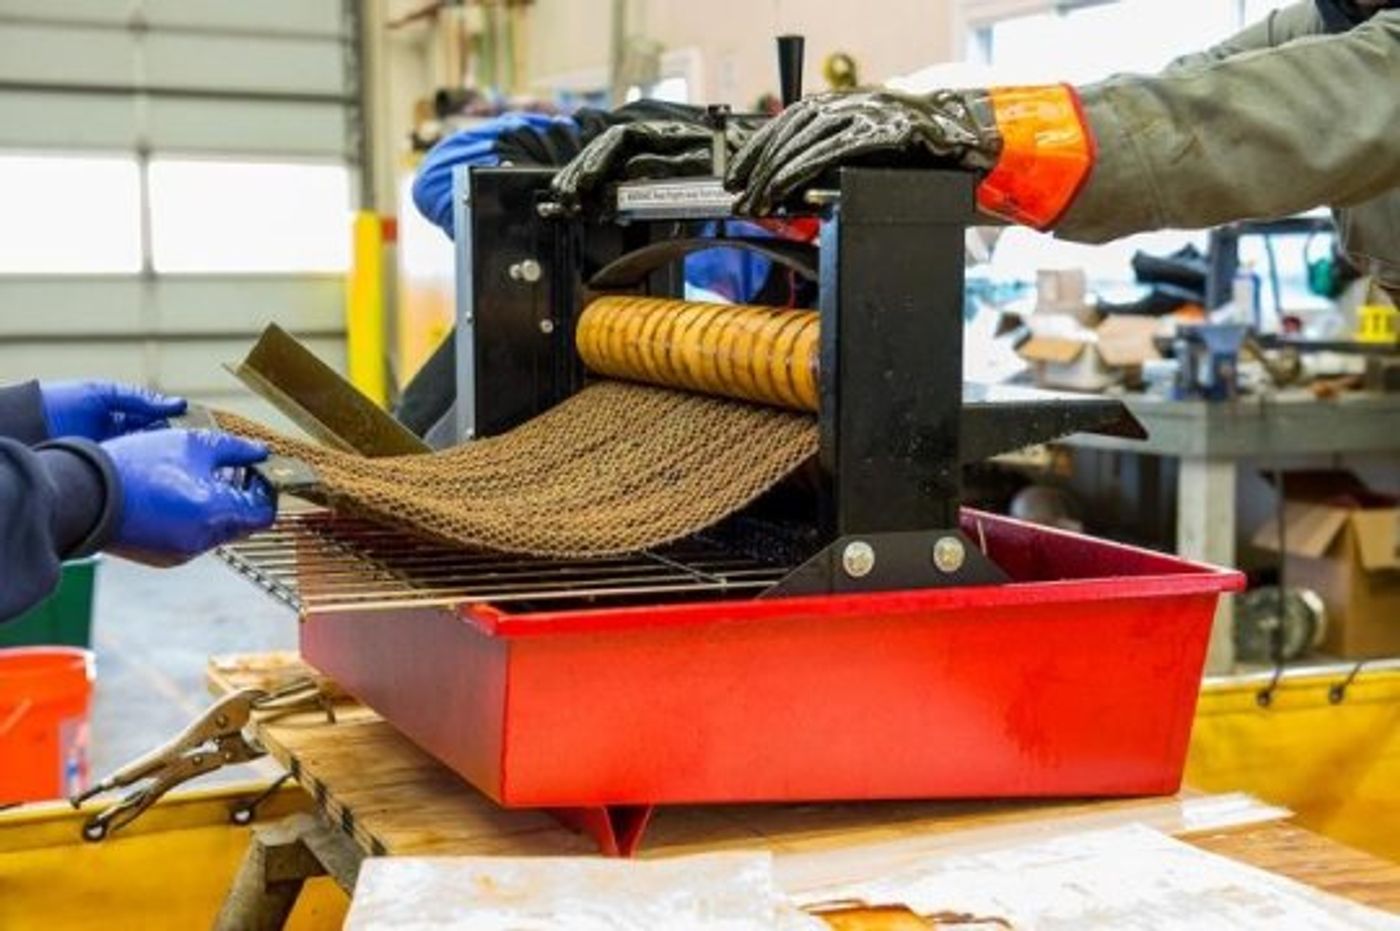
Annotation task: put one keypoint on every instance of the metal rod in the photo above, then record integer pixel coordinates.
(315, 561)
(566, 588)
(455, 601)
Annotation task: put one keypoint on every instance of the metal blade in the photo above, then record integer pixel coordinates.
(316, 398)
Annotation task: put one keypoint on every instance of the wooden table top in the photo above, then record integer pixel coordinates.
(393, 798)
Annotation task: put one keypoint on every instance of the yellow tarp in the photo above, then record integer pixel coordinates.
(168, 870)
(1336, 765)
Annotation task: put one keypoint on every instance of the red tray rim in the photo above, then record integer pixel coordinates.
(1178, 577)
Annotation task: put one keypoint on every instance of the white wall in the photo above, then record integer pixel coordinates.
(570, 39)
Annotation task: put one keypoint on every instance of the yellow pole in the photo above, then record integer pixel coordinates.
(364, 310)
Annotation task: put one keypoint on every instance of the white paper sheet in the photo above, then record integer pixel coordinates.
(1123, 878)
(712, 892)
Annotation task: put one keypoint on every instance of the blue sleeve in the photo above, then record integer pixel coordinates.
(479, 145)
(737, 275)
(57, 501)
(22, 413)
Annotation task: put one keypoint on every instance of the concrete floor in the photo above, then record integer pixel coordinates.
(153, 630)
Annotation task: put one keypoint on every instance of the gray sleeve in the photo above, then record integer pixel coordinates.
(22, 413)
(1266, 133)
(57, 501)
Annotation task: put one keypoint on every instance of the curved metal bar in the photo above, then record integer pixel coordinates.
(633, 268)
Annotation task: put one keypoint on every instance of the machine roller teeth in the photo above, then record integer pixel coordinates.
(762, 354)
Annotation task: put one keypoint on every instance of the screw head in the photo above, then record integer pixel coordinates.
(949, 554)
(546, 326)
(858, 558)
(526, 270)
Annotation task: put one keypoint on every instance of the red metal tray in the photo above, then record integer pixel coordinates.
(1079, 678)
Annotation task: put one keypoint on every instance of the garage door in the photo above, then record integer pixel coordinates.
(174, 174)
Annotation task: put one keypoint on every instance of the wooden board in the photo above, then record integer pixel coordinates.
(393, 798)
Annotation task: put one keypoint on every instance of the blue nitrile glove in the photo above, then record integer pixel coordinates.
(183, 492)
(100, 410)
(478, 145)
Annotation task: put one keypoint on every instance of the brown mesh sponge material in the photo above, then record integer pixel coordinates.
(616, 468)
(763, 354)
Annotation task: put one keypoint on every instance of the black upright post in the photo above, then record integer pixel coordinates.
(891, 355)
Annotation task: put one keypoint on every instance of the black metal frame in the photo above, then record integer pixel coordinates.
(896, 423)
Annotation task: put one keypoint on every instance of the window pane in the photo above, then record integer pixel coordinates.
(1255, 10)
(223, 216)
(1093, 42)
(70, 214)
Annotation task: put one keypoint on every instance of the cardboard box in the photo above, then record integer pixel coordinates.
(1064, 353)
(1342, 540)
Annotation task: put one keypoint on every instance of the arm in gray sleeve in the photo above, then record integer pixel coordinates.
(1260, 134)
(22, 413)
(58, 501)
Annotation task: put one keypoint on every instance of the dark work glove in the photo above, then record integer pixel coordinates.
(649, 149)
(1029, 144)
(99, 410)
(183, 493)
(947, 129)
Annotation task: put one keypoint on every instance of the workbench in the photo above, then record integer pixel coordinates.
(391, 798)
(1210, 439)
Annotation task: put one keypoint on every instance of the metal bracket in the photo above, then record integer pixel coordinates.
(890, 562)
(616, 829)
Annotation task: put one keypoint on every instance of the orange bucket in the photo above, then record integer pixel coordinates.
(44, 698)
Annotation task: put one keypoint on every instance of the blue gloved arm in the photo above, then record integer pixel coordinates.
(158, 497)
(728, 272)
(525, 139)
(56, 502)
(183, 492)
(517, 138)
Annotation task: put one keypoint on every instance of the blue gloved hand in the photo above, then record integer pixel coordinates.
(99, 410)
(183, 492)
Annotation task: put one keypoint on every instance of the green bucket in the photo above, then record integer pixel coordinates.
(62, 619)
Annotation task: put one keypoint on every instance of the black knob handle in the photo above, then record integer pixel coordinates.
(790, 68)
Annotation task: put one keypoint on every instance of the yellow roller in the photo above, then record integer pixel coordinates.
(763, 354)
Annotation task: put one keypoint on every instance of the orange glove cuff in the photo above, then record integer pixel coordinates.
(1047, 153)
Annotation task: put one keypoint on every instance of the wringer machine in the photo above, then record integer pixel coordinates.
(851, 635)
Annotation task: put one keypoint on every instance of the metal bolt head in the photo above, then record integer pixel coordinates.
(546, 326)
(949, 554)
(858, 558)
(526, 270)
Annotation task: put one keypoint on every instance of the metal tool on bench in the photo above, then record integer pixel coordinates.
(214, 740)
(825, 642)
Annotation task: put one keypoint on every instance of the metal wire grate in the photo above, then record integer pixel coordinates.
(315, 561)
